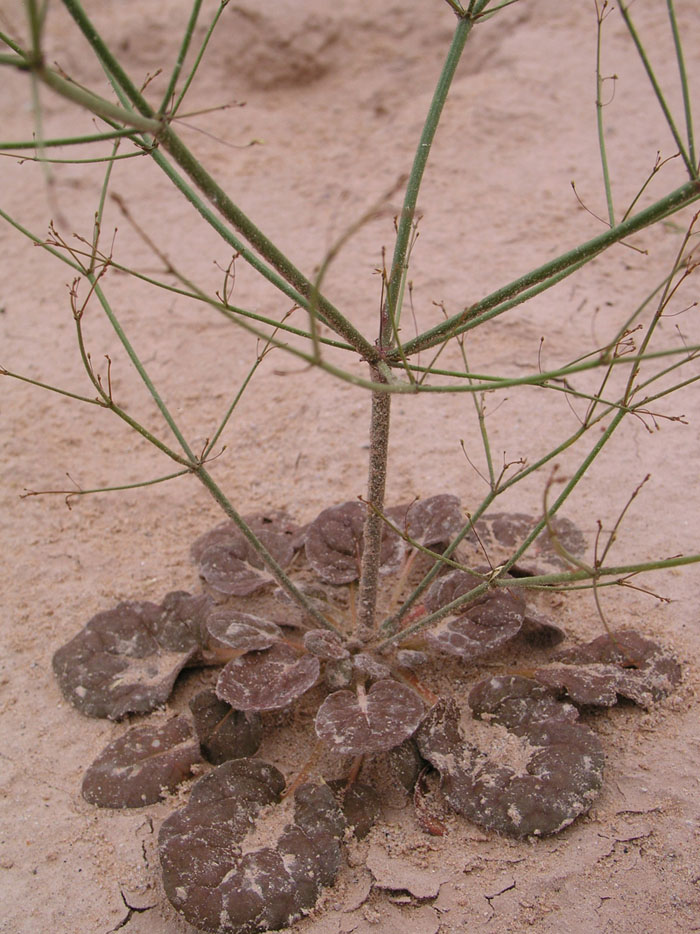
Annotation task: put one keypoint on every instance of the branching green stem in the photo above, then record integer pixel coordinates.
(399, 266)
(685, 87)
(692, 169)
(561, 266)
(215, 194)
(181, 55)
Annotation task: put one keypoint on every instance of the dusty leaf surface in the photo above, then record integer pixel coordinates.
(621, 664)
(221, 873)
(267, 680)
(334, 544)
(536, 786)
(142, 766)
(431, 521)
(366, 722)
(126, 660)
(242, 631)
(228, 563)
(224, 733)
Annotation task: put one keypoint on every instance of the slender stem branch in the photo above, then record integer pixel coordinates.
(265, 247)
(182, 54)
(94, 103)
(66, 141)
(277, 572)
(543, 581)
(561, 266)
(106, 489)
(10, 42)
(198, 58)
(622, 570)
(692, 170)
(684, 84)
(50, 388)
(391, 623)
(399, 263)
(601, 12)
(216, 195)
(141, 370)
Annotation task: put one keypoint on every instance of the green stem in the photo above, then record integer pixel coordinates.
(66, 141)
(94, 103)
(140, 369)
(623, 570)
(399, 265)
(107, 489)
(568, 488)
(215, 194)
(277, 572)
(50, 388)
(692, 171)
(97, 229)
(555, 269)
(198, 58)
(39, 242)
(684, 85)
(599, 114)
(182, 54)
(10, 42)
(96, 160)
(543, 581)
(108, 402)
(265, 247)
(668, 291)
(391, 623)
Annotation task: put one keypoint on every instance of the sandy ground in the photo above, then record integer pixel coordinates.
(337, 94)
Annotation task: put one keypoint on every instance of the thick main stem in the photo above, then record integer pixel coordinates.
(376, 484)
